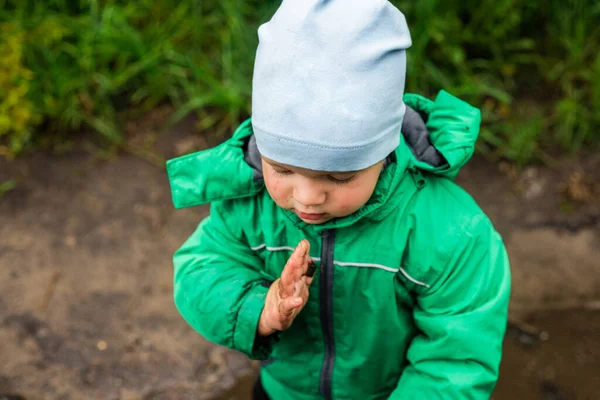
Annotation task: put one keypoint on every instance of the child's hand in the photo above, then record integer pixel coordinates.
(288, 294)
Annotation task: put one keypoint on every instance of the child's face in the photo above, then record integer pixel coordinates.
(319, 196)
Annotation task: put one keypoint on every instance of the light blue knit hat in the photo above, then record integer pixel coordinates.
(328, 83)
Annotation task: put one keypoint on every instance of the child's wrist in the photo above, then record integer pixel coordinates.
(264, 331)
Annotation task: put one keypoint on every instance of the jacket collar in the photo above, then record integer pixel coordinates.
(438, 137)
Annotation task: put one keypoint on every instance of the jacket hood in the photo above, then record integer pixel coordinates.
(438, 137)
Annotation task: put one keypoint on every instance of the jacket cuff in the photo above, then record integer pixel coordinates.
(246, 324)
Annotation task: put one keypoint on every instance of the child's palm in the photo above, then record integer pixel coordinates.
(288, 294)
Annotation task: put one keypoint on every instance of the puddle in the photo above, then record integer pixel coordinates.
(565, 366)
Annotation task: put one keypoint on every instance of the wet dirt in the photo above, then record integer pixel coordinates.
(86, 308)
(564, 364)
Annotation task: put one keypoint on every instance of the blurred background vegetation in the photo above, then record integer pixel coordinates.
(68, 66)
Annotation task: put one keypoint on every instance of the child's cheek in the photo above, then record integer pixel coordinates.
(349, 202)
(344, 204)
(343, 211)
(274, 186)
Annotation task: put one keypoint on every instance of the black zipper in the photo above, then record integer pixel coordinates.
(326, 291)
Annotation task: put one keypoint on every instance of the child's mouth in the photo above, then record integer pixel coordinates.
(309, 217)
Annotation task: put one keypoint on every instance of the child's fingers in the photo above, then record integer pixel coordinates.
(287, 306)
(286, 288)
(293, 269)
(300, 272)
(299, 269)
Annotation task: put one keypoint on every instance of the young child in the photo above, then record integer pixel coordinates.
(338, 248)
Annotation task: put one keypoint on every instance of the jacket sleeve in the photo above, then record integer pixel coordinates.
(218, 285)
(461, 320)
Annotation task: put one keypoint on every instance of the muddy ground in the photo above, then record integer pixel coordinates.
(86, 308)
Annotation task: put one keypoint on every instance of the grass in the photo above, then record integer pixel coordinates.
(72, 65)
(7, 186)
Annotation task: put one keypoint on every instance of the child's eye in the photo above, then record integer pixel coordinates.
(340, 181)
(282, 171)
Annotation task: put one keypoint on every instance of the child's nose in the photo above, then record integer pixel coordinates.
(309, 193)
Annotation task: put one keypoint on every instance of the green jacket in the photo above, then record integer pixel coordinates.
(411, 295)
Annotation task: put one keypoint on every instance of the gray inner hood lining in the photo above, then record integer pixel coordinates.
(415, 135)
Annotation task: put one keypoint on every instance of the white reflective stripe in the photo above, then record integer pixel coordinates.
(347, 264)
(262, 246)
(282, 248)
(351, 264)
(410, 278)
